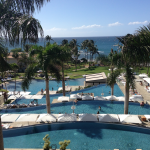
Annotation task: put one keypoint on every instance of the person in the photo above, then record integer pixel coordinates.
(109, 92)
(98, 112)
(76, 101)
(82, 94)
(5, 96)
(99, 107)
(41, 91)
(52, 88)
(2, 86)
(19, 92)
(142, 104)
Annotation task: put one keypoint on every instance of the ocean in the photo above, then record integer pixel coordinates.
(104, 44)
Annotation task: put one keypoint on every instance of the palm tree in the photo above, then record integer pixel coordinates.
(14, 67)
(130, 57)
(84, 47)
(64, 42)
(111, 80)
(74, 49)
(1, 136)
(17, 24)
(46, 60)
(63, 55)
(48, 39)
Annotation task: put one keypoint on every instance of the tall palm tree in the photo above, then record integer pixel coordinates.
(46, 60)
(14, 67)
(17, 24)
(63, 55)
(74, 49)
(84, 47)
(64, 42)
(111, 80)
(130, 56)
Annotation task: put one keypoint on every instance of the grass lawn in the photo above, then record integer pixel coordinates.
(92, 70)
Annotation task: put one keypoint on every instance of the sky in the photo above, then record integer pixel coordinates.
(88, 18)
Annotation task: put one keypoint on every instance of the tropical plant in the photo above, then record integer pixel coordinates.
(48, 39)
(84, 47)
(64, 144)
(74, 50)
(16, 50)
(46, 142)
(16, 56)
(63, 55)
(111, 80)
(14, 67)
(129, 58)
(46, 60)
(102, 59)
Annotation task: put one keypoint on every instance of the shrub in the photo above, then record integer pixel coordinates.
(8, 101)
(87, 86)
(46, 142)
(64, 144)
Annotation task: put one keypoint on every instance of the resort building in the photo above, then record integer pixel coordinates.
(95, 79)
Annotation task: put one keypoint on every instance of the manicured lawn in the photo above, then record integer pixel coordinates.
(92, 70)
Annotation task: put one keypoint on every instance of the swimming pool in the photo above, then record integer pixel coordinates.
(83, 135)
(107, 107)
(97, 90)
(37, 85)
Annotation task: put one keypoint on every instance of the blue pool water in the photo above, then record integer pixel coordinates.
(37, 85)
(88, 136)
(85, 107)
(97, 90)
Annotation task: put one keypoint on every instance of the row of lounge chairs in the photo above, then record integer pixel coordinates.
(7, 79)
(43, 118)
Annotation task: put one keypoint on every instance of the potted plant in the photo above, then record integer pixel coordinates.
(64, 144)
(46, 142)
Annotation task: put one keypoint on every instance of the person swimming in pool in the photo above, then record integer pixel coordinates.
(109, 92)
(99, 107)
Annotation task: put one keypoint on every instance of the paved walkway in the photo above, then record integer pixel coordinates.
(140, 89)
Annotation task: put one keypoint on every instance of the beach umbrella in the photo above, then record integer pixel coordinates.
(87, 97)
(67, 117)
(110, 98)
(121, 98)
(108, 118)
(129, 118)
(63, 99)
(46, 118)
(27, 118)
(75, 96)
(88, 117)
(9, 117)
(99, 98)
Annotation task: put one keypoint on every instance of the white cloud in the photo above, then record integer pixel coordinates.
(115, 24)
(55, 29)
(133, 23)
(86, 27)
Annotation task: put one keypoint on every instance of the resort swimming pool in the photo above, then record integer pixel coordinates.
(83, 136)
(97, 90)
(90, 107)
(37, 85)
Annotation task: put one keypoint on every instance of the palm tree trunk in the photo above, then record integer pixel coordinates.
(126, 102)
(63, 81)
(112, 90)
(148, 68)
(15, 80)
(47, 96)
(76, 64)
(1, 136)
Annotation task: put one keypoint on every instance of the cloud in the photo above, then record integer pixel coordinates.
(87, 27)
(115, 24)
(55, 29)
(133, 23)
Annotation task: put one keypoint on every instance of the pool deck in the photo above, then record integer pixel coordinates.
(140, 89)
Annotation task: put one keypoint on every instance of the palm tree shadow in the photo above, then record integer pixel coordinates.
(92, 133)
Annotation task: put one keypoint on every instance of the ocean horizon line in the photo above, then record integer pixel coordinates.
(86, 36)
